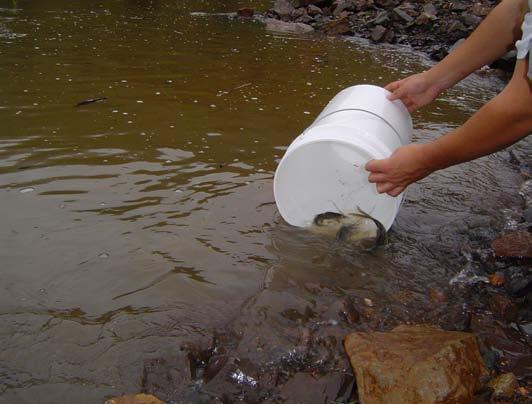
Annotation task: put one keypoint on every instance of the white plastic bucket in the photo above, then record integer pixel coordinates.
(323, 169)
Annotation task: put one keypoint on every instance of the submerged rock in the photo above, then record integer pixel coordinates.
(135, 399)
(307, 388)
(415, 364)
(517, 244)
(245, 12)
(287, 27)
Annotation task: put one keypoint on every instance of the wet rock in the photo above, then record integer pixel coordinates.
(135, 399)
(313, 10)
(303, 17)
(470, 20)
(339, 26)
(377, 33)
(287, 27)
(387, 3)
(527, 214)
(437, 296)
(163, 375)
(283, 8)
(526, 192)
(403, 15)
(456, 25)
(389, 36)
(458, 6)
(424, 19)
(480, 10)
(503, 307)
(312, 287)
(504, 385)
(349, 312)
(297, 316)
(518, 280)
(516, 244)
(298, 12)
(344, 5)
(216, 363)
(321, 3)
(455, 318)
(382, 17)
(490, 359)
(430, 9)
(415, 364)
(306, 388)
(245, 12)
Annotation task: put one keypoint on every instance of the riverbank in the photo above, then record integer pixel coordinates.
(433, 27)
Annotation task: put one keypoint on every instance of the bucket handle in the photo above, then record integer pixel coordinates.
(363, 110)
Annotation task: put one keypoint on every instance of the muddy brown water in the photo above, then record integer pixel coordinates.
(145, 221)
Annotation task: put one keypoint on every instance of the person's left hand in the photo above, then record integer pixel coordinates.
(406, 165)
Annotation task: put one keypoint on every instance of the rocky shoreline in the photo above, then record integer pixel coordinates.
(433, 27)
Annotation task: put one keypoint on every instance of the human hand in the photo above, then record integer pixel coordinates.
(414, 91)
(406, 165)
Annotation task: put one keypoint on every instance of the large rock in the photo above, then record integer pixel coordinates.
(135, 399)
(283, 8)
(343, 5)
(415, 364)
(517, 244)
(287, 27)
(403, 15)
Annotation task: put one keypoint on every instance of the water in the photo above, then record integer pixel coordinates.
(145, 221)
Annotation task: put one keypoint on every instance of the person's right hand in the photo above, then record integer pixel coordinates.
(414, 91)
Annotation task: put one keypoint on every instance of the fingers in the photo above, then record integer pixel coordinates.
(390, 188)
(396, 191)
(376, 165)
(383, 187)
(393, 86)
(377, 177)
(398, 93)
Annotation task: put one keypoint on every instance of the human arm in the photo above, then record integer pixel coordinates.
(493, 37)
(502, 121)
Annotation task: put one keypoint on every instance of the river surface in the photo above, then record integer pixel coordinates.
(138, 223)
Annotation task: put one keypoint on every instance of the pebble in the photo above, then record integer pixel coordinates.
(496, 279)
(368, 302)
(504, 385)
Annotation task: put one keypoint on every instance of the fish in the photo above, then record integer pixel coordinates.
(90, 101)
(324, 219)
(360, 229)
